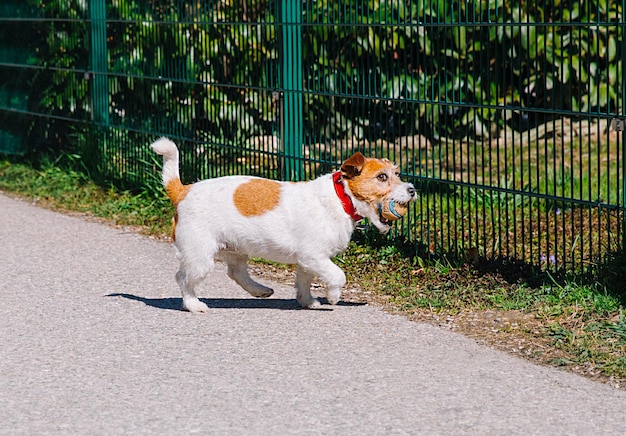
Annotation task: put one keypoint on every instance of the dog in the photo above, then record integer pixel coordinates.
(304, 223)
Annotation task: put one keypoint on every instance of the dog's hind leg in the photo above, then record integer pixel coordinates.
(238, 271)
(187, 285)
(303, 288)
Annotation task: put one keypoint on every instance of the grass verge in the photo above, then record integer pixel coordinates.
(72, 191)
(581, 327)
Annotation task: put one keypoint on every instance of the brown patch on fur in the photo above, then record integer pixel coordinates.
(177, 192)
(364, 179)
(353, 165)
(256, 197)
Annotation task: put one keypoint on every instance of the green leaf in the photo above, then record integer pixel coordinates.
(613, 74)
(460, 37)
(612, 49)
(603, 94)
(426, 44)
(565, 72)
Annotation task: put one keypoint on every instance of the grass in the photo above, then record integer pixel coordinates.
(572, 324)
(72, 191)
(564, 158)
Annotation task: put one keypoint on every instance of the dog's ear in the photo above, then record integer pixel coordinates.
(353, 165)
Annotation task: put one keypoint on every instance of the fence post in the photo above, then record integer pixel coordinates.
(99, 62)
(292, 78)
(621, 111)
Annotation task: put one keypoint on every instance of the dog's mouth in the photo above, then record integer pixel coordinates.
(384, 220)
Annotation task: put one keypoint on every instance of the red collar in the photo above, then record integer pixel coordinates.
(346, 202)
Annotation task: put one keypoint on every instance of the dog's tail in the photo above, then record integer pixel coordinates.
(171, 176)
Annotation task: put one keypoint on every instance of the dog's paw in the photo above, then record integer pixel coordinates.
(309, 303)
(314, 304)
(333, 297)
(195, 306)
(265, 292)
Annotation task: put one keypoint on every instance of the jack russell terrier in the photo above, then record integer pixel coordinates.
(303, 223)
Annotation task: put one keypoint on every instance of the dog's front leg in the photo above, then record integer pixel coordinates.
(303, 288)
(328, 272)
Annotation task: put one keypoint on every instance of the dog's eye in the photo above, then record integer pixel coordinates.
(382, 177)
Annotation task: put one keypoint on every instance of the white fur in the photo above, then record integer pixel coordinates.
(169, 151)
(307, 228)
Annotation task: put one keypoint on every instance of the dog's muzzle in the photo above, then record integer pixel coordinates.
(395, 206)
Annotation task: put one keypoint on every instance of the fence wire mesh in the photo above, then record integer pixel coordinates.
(500, 114)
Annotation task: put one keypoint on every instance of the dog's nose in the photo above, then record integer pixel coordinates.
(411, 190)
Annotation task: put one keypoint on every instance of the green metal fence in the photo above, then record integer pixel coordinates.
(507, 117)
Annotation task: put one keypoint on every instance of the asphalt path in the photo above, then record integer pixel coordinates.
(92, 341)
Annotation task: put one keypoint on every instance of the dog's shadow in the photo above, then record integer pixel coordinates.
(171, 303)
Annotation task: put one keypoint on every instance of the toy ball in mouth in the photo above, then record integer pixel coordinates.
(391, 210)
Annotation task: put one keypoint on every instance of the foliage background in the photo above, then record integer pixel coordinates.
(209, 70)
(497, 110)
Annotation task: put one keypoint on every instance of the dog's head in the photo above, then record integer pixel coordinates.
(373, 182)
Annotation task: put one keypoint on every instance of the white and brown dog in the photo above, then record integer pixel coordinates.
(305, 223)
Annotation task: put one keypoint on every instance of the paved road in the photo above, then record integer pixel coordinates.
(92, 342)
